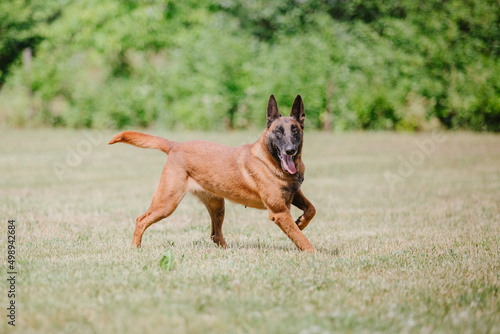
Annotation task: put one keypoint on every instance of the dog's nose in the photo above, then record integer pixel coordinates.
(290, 151)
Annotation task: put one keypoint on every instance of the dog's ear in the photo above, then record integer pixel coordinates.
(298, 111)
(272, 110)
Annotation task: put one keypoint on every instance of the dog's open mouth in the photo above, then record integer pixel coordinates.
(287, 162)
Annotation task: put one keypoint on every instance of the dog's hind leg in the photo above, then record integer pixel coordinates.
(168, 195)
(300, 201)
(215, 207)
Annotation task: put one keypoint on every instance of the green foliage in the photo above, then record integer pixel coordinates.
(211, 65)
(20, 24)
(167, 261)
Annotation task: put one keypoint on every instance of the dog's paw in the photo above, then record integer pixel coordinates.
(300, 223)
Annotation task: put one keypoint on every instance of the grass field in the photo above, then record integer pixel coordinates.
(407, 232)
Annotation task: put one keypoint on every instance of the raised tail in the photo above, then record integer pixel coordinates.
(143, 140)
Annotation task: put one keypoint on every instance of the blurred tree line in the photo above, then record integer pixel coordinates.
(402, 65)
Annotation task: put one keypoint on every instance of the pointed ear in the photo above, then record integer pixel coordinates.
(272, 110)
(298, 111)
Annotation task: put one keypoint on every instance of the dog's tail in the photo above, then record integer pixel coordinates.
(143, 140)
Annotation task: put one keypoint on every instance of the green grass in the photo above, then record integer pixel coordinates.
(421, 257)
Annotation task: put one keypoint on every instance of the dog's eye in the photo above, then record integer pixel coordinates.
(295, 131)
(278, 132)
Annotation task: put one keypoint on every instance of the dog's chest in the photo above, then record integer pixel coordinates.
(290, 189)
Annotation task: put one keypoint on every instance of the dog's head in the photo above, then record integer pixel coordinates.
(284, 134)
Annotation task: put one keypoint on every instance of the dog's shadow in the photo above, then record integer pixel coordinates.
(205, 245)
(283, 247)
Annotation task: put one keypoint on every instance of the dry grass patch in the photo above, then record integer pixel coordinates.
(420, 257)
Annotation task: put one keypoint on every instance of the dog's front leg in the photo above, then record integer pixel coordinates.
(300, 201)
(285, 221)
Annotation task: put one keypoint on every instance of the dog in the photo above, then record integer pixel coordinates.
(265, 175)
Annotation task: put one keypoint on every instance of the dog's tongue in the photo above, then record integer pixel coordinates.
(287, 164)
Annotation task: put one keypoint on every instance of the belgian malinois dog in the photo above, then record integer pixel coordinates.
(263, 175)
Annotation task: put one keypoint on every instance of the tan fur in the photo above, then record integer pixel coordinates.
(247, 175)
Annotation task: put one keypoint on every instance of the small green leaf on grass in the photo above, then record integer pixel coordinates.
(167, 261)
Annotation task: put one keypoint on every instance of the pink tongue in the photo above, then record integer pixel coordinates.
(287, 164)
